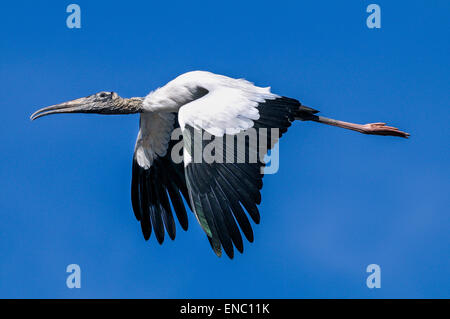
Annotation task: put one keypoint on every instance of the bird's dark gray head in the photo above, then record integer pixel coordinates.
(100, 103)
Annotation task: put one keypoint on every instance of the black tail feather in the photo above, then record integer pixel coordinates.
(305, 113)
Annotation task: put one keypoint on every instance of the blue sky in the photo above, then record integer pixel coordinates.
(340, 201)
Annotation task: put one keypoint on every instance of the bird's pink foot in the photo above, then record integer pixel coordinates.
(382, 129)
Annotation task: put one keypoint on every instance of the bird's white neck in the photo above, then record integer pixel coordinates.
(183, 89)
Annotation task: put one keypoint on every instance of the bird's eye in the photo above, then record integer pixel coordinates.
(103, 94)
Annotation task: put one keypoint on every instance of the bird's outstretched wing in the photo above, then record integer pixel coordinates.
(221, 192)
(156, 177)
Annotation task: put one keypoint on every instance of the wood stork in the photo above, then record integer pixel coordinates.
(218, 193)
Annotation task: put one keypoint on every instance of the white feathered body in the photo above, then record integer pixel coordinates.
(215, 103)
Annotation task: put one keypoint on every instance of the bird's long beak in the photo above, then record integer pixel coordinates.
(75, 106)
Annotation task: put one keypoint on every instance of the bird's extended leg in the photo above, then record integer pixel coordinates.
(370, 128)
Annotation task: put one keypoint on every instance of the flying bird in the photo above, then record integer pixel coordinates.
(222, 194)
